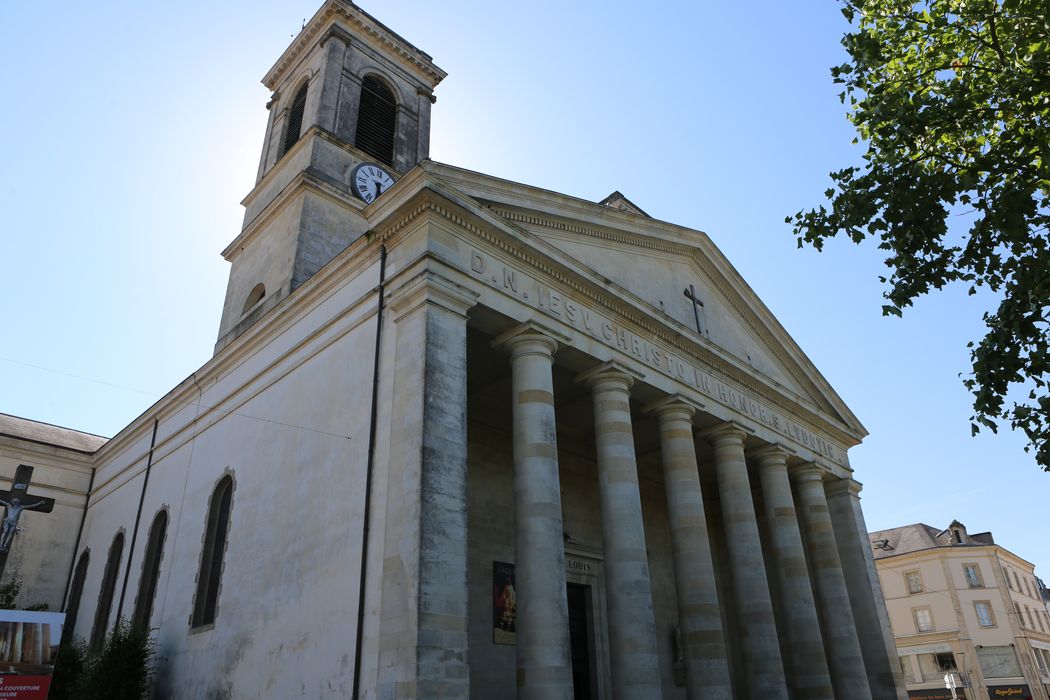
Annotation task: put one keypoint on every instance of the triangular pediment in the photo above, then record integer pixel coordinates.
(651, 264)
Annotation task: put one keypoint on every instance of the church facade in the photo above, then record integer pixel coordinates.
(464, 437)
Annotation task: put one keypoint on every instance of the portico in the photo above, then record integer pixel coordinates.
(661, 508)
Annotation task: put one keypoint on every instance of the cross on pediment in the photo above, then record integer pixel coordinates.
(698, 307)
(15, 502)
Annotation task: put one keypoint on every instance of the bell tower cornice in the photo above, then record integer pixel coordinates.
(360, 23)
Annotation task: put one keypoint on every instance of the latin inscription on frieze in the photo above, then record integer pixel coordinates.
(586, 320)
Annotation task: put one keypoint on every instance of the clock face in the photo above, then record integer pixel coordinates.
(369, 180)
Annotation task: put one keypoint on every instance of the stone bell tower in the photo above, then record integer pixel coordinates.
(347, 90)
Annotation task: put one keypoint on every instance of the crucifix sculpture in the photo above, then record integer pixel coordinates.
(690, 294)
(15, 502)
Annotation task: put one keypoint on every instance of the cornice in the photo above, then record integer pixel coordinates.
(335, 10)
(590, 289)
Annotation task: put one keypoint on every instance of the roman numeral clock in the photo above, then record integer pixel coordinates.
(369, 180)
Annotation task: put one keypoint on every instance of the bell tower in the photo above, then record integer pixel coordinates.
(347, 91)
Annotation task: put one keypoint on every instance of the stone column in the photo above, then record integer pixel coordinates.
(862, 580)
(805, 646)
(763, 667)
(423, 644)
(543, 655)
(845, 659)
(706, 666)
(633, 652)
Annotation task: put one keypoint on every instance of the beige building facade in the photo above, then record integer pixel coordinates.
(964, 605)
(464, 437)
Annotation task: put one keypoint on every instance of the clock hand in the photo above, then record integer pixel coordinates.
(379, 188)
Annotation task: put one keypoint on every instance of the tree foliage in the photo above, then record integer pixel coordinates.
(952, 99)
(122, 669)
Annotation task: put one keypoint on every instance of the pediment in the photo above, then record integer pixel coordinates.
(650, 264)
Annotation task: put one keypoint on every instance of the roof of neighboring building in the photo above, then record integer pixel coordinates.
(919, 536)
(47, 434)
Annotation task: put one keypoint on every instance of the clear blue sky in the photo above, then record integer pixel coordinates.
(132, 131)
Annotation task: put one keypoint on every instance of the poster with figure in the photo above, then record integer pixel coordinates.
(504, 604)
(28, 647)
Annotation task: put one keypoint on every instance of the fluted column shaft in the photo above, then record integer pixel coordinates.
(706, 665)
(633, 652)
(543, 656)
(845, 659)
(805, 645)
(763, 667)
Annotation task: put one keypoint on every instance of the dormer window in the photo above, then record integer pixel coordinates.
(294, 128)
(376, 120)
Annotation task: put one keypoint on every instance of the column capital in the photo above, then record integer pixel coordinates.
(729, 431)
(771, 454)
(430, 288)
(810, 471)
(670, 406)
(530, 338)
(619, 376)
(840, 487)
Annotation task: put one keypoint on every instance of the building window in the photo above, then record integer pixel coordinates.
(1031, 620)
(210, 573)
(906, 671)
(923, 619)
(973, 575)
(998, 662)
(1042, 656)
(913, 581)
(150, 572)
(1039, 619)
(1028, 587)
(984, 613)
(934, 666)
(1008, 583)
(376, 120)
(254, 297)
(294, 127)
(76, 591)
(105, 593)
(1017, 580)
(1020, 617)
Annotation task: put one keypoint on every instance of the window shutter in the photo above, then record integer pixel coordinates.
(295, 120)
(376, 120)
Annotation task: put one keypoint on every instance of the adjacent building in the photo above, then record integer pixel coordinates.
(960, 604)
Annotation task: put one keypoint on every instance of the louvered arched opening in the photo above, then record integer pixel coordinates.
(105, 594)
(210, 573)
(254, 297)
(376, 120)
(76, 591)
(295, 119)
(150, 572)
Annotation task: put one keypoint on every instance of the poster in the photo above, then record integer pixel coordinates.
(504, 604)
(28, 647)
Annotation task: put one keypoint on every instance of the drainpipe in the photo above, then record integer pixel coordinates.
(380, 290)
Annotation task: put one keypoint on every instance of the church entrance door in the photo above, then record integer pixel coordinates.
(581, 641)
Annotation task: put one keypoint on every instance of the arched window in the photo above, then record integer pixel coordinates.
(207, 597)
(295, 119)
(254, 297)
(105, 594)
(150, 572)
(376, 120)
(75, 593)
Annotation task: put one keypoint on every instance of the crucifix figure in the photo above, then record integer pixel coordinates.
(690, 294)
(16, 501)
